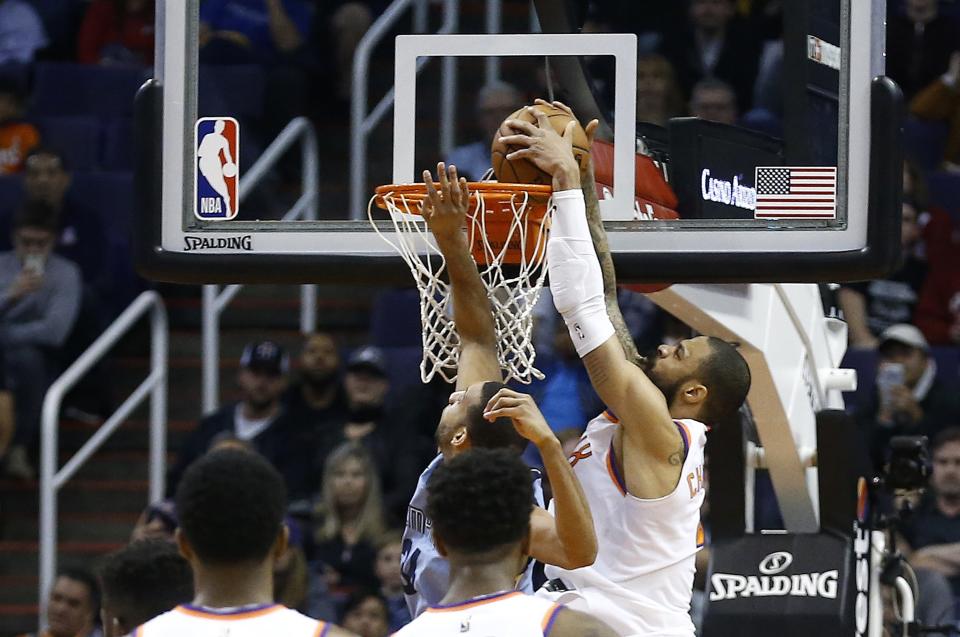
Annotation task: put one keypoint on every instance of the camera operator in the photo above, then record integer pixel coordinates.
(910, 399)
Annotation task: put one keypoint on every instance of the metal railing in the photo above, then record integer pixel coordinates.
(154, 387)
(216, 300)
(363, 123)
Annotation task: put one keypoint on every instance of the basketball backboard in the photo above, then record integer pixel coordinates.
(701, 202)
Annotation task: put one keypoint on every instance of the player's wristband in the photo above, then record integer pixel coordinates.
(576, 282)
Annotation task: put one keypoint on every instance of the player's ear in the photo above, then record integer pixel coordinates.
(283, 540)
(460, 439)
(693, 393)
(437, 542)
(183, 545)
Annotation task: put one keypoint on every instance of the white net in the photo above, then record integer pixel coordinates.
(512, 288)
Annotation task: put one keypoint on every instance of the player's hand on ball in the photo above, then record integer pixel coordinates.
(590, 129)
(446, 204)
(523, 411)
(550, 152)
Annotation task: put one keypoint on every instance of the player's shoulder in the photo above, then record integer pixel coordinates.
(566, 622)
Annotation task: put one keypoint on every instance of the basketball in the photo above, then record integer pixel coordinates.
(523, 171)
(229, 170)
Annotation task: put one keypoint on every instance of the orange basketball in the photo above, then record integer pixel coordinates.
(523, 171)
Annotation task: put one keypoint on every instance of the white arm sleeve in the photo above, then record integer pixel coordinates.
(576, 281)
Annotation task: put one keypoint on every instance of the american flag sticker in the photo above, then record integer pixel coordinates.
(796, 192)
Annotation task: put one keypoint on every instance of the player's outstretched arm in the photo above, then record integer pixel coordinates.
(598, 234)
(445, 211)
(578, 294)
(573, 623)
(566, 539)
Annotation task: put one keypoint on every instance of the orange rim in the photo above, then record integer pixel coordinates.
(491, 191)
(500, 214)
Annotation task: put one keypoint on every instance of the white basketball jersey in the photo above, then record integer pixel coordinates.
(508, 614)
(642, 580)
(273, 619)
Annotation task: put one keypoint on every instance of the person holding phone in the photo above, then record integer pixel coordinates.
(39, 301)
(910, 397)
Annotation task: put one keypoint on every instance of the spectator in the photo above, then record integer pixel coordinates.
(910, 398)
(157, 522)
(658, 94)
(391, 582)
(17, 137)
(940, 101)
(73, 606)
(41, 298)
(365, 614)
(252, 31)
(46, 177)
(343, 24)
(933, 532)
(290, 579)
(140, 581)
(494, 102)
(117, 32)
(316, 408)
(938, 311)
(919, 43)
(871, 307)
(714, 100)
(21, 32)
(262, 378)
(349, 522)
(398, 453)
(715, 44)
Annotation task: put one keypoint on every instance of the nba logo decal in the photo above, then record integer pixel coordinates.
(216, 180)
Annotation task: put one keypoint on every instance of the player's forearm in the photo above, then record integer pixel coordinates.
(471, 307)
(599, 236)
(572, 511)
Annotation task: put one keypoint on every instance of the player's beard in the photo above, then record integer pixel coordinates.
(667, 387)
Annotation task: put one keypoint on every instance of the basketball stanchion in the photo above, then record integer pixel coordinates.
(507, 230)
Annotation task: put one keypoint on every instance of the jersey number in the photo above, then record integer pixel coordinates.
(580, 453)
(408, 567)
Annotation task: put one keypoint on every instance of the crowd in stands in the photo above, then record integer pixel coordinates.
(347, 440)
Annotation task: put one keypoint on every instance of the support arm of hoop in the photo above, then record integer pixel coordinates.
(472, 315)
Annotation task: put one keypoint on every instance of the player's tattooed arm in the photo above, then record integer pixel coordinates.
(599, 236)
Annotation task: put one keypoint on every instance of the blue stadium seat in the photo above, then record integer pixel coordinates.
(924, 142)
(76, 138)
(111, 194)
(395, 319)
(236, 91)
(118, 145)
(62, 88)
(11, 192)
(945, 192)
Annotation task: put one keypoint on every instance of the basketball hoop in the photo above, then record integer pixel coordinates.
(507, 229)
